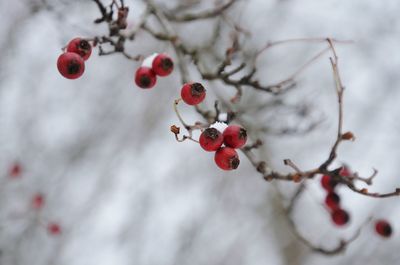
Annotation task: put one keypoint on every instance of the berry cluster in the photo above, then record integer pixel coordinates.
(146, 76)
(332, 200)
(71, 64)
(37, 201)
(339, 216)
(232, 138)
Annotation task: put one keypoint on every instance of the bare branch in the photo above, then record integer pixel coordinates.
(200, 15)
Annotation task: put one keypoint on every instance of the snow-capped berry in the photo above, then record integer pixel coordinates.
(70, 65)
(81, 47)
(340, 217)
(328, 183)
(235, 136)
(211, 139)
(193, 93)
(226, 158)
(220, 126)
(145, 77)
(162, 65)
(148, 61)
(37, 201)
(383, 228)
(332, 201)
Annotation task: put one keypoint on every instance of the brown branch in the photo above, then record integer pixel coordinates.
(235, 70)
(237, 79)
(200, 15)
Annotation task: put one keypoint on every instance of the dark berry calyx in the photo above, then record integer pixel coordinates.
(166, 64)
(234, 162)
(387, 230)
(211, 133)
(145, 81)
(84, 45)
(74, 67)
(334, 197)
(242, 133)
(197, 89)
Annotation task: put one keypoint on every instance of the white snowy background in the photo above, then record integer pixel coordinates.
(125, 192)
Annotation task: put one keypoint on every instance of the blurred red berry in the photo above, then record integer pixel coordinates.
(383, 228)
(145, 77)
(70, 65)
(38, 201)
(328, 183)
(81, 47)
(226, 158)
(211, 139)
(15, 170)
(235, 136)
(332, 201)
(193, 93)
(340, 217)
(162, 65)
(54, 229)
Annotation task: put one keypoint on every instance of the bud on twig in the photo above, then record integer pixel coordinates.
(348, 136)
(175, 129)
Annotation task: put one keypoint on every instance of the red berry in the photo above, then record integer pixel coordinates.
(226, 158)
(81, 47)
(235, 136)
(162, 65)
(332, 200)
(328, 183)
(211, 139)
(54, 229)
(340, 217)
(37, 201)
(15, 170)
(145, 77)
(383, 228)
(193, 93)
(70, 65)
(345, 172)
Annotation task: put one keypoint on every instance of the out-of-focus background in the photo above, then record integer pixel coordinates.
(125, 192)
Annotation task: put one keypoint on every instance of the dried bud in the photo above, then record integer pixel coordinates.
(348, 136)
(364, 190)
(175, 129)
(261, 167)
(268, 178)
(297, 178)
(229, 51)
(122, 16)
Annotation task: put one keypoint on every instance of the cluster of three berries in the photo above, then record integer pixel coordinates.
(71, 64)
(332, 200)
(226, 156)
(162, 65)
